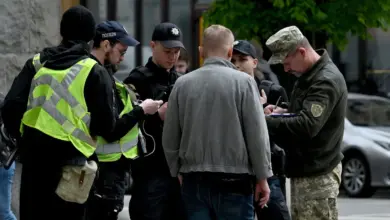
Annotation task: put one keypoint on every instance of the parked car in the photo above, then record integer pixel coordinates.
(366, 145)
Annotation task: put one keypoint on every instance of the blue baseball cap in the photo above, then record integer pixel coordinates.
(113, 30)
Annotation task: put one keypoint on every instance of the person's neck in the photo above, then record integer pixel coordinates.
(312, 59)
(210, 55)
(99, 55)
(155, 62)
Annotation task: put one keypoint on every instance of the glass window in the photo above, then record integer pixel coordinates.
(371, 112)
(378, 60)
(125, 16)
(349, 57)
(98, 8)
(151, 17)
(180, 14)
(204, 1)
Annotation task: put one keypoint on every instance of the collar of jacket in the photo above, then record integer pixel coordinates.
(218, 61)
(159, 73)
(309, 75)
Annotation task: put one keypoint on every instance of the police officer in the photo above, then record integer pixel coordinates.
(156, 195)
(313, 137)
(244, 58)
(64, 100)
(116, 149)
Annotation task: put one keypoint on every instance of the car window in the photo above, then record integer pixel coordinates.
(368, 112)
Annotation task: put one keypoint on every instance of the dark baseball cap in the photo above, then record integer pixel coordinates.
(168, 34)
(244, 47)
(113, 30)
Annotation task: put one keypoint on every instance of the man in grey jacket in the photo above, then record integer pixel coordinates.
(216, 137)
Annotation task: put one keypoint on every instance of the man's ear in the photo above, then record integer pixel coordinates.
(255, 62)
(230, 53)
(302, 51)
(152, 44)
(105, 45)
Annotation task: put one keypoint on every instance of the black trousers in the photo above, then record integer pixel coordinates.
(156, 198)
(106, 199)
(38, 199)
(277, 207)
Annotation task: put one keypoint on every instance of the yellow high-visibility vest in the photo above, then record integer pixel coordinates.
(127, 145)
(57, 107)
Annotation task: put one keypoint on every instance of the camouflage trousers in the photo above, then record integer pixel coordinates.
(315, 198)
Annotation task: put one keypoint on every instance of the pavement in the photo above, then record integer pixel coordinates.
(375, 208)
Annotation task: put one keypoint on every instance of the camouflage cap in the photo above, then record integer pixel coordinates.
(283, 42)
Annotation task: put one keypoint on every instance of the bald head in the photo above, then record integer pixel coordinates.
(217, 41)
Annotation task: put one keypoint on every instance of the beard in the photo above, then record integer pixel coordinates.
(111, 68)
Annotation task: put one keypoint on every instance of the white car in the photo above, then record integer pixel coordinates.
(366, 145)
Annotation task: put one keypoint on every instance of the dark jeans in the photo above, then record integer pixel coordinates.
(277, 207)
(207, 198)
(156, 197)
(106, 199)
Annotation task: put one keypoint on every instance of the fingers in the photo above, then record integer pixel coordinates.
(263, 93)
(159, 102)
(263, 200)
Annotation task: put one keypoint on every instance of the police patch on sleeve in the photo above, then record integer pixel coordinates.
(316, 110)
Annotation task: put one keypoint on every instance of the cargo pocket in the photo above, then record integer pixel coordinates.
(76, 182)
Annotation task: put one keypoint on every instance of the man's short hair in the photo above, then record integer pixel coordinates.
(217, 37)
(184, 56)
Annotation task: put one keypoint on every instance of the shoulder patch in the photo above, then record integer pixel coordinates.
(316, 110)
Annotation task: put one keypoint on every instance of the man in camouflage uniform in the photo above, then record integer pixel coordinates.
(312, 137)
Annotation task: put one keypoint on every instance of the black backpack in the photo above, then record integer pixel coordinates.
(273, 92)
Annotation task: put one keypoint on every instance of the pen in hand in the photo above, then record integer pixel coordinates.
(277, 103)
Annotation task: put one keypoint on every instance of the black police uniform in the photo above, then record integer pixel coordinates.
(155, 194)
(107, 195)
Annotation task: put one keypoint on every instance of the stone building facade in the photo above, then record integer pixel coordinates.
(27, 27)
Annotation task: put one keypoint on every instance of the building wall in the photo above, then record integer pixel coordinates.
(27, 27)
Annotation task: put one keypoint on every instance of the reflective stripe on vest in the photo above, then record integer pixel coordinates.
(127, 145)
(37, 62)
(50, 104)
(114, 148)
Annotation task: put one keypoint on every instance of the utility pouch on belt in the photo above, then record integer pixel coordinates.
(76, 182)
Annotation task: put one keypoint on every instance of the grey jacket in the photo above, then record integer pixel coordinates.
(215, 123)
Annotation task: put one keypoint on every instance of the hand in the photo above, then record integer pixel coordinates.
(262, 193)
(162, 110)
(271, 109)
(150, 106)
(263, 97)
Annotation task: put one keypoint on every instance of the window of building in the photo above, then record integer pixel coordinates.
(378, 58)
(151, 17)
(373, 112)
(180, 14)
(125, 16)
(98, 8)
(349, 58)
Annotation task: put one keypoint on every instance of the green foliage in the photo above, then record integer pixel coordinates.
(259, 19)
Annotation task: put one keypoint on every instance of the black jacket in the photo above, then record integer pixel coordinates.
(127, 121)
(312, 139)
(151, 85)
(98, 95)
